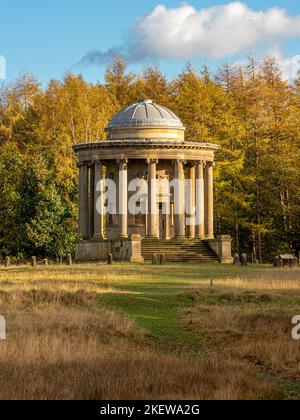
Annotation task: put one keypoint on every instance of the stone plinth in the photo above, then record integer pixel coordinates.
(122, 250)
(92, 251)
(222, 246)
(135, 247)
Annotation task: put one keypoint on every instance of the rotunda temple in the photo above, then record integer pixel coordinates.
(146, 141)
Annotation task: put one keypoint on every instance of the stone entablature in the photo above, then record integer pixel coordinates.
(137, 149)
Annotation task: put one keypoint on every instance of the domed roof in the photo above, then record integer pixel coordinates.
(145, 114)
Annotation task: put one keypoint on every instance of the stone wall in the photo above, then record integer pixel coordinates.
(123, 250)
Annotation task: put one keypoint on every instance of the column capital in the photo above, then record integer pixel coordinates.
(83, 164)
(122, 164)
(179, 161)
(98, 162)
(200, 163)
(152, 161)
(210, 164)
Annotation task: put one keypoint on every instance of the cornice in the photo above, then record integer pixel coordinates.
(146, 145)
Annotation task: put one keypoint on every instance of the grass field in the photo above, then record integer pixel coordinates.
(149, 332)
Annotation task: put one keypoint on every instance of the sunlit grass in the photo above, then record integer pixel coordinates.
(148, 332)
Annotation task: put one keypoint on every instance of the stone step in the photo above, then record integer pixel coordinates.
(174, 247)
(179, 251)
(180, 259)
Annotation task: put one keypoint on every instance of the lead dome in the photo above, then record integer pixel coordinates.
(145, 120)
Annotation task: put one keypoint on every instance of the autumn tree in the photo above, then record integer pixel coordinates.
(119, 82)
(250, 111)
(233, 199)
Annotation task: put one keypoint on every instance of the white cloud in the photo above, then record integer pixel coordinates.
(214, 32)
(290, 67)
(2, 68)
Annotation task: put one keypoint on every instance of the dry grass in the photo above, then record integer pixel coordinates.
(272, 280)
(93, 280)
(249, 328)
(63, 344)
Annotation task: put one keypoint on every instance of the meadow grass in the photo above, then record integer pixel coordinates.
(149, 332)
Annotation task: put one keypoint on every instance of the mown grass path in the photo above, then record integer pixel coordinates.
(155, 295)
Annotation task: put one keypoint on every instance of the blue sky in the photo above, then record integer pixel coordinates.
(48, 38)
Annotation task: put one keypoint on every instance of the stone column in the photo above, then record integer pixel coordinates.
(83, 201)
(168, 220)
(200, 201)
(209, 193)
(91, 199)
(152, 198)
(179, 201)
(191, 198)
(123, 199)
(99, 202)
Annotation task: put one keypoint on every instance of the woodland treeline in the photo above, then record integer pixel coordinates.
(250, 111)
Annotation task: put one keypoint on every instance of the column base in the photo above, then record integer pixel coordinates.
(152, 237)
(123, 236)
(227, 261)
(200, 237)
(84, 238)
(137, 260)
(99, 238)
(180, 237)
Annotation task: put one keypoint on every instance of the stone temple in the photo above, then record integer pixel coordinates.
(146, 142)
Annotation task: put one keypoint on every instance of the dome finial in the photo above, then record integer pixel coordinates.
(146, 101)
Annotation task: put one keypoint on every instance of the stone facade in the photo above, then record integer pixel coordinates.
(144, 141)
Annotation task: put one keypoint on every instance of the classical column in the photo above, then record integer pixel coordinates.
(91, 177)
(209, 193)
(179, 200)
(168, 220)
(191, 198)
(123, 198)
(200, 201)
(98, 202)
(152, 198)
(83, 199)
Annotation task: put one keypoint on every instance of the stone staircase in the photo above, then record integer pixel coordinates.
(179, 251)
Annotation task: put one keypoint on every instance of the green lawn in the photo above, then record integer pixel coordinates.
(156, 298)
